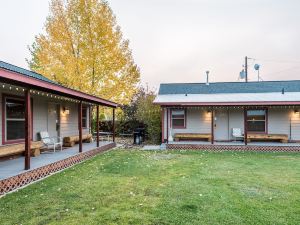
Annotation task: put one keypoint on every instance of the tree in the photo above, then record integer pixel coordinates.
(141, 113)
(149, 114)
(83, 48)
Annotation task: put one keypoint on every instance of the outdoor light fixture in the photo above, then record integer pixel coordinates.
(66, 110)
(296, 111)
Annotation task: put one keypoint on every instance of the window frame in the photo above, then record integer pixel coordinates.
(266, 121)
(4, 119)
(184, 119)
(84, 126)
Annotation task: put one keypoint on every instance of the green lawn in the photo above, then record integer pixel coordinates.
(172, 187)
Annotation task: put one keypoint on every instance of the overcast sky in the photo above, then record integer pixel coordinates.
(178, 40)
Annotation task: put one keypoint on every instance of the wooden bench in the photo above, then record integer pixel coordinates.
(71, 140)
(14, 149)
(283, 138)
(192, 136)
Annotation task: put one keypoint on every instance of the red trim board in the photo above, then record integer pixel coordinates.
(19, 79)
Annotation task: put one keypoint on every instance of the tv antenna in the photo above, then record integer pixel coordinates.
(257, 67)
(244, 73)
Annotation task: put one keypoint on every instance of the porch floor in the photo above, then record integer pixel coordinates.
(9, 168)
(234, 143)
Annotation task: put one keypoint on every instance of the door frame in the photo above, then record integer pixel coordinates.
(226, 120)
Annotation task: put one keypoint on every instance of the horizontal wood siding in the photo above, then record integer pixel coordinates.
(40, 115)
(197, 121)
(295, 126)
(69, 123)
(165, 124)
(236, 120)
(279, 121)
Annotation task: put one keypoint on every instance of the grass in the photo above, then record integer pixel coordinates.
(171, 187)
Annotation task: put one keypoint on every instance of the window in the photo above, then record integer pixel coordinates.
(84, 117)
(14, 119)
(178, 118)
(256, 121)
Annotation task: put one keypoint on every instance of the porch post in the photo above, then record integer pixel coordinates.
(80, 125)
(114, 133)
(27, 129)
(97, 125)
(90, 118)
(212, 126)
(167, 125)
(245, 126)
(162, 124)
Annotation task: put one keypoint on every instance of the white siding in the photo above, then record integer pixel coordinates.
(236, 120)
(197, 121)
(295, 126)
(69, 123)
(165, 136)
(39, 116)
(280, 121)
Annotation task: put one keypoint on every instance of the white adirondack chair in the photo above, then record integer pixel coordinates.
(237, 133)
(51, 142)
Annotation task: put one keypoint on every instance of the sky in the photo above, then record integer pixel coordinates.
(177, 41)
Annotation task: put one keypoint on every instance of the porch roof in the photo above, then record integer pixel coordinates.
(18, 76)
(241, 99)
(230, 94)
(230, 87)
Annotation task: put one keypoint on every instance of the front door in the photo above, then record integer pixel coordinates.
(53, 119)
(221, 125)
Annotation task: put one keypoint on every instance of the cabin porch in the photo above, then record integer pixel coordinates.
(13, 167)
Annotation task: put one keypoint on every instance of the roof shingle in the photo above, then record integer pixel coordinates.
(229, 87)
(25, 72)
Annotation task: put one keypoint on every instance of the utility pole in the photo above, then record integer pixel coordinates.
(246, 69)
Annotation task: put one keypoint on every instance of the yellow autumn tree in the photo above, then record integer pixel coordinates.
(83, 48)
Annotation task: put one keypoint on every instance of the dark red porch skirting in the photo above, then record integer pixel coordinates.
(25, 178)
(218, 148)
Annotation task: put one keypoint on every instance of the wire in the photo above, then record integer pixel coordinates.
(292, 68)
(277, 61)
